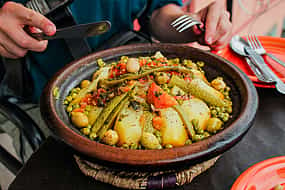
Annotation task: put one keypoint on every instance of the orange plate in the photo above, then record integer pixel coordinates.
(264, 175)
(273, 45)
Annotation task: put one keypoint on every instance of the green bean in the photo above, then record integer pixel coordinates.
(108, 123)
(200, 89)
(107, 111)
(125, 77)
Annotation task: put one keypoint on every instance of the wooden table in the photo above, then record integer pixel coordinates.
(53, 167)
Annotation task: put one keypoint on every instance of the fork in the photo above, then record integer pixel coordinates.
(184, 22)
(257, 46)
(279, 84)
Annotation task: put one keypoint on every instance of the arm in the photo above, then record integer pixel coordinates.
(14, 41)
(218, 28)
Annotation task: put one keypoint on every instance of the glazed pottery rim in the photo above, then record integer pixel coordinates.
(213, 145)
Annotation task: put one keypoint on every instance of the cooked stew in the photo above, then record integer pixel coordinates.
(149, 103)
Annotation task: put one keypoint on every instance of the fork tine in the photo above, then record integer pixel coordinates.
(184, 24)
(249, 41)
(254, 41)
(258, 42)
(188, 26)
(181, 21)
(178, 19)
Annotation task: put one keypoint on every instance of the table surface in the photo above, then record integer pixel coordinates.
(53, 167)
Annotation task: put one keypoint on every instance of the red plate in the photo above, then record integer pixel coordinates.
(264, 175)
(273, 45)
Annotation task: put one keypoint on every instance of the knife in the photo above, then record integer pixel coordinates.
(258, 59)
(76, 31)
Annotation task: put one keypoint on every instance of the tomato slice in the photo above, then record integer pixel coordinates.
(159, 98)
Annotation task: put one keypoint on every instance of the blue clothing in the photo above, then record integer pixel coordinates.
(121, 14)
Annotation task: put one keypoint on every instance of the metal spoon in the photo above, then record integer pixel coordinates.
(244, 49)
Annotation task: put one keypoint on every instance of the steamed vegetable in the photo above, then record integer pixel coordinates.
(150, 141)
(173, 131)
(200, 89)
(129, 127)
(159, 98)
(197, 109)
(149, 103)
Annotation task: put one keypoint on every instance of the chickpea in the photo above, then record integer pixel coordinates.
(111, 137)
(85, 131)
(161, 78)
(84, 83)
(218, 83)
(133, 65)
(214, 124)
(150, 141)
(79, 119)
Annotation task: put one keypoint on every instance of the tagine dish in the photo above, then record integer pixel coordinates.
(149, 102)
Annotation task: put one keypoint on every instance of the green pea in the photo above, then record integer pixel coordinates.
(188, 142)
(76, 106)
(157, 133)
(198, 137)
(133, 146)
(69, 109)
(225, 117)
(88, 108)
(68, 98)
(200, 63)
(92, 136)
(213, 112)
(168, 146)
(74, 95)
(218, 109)
(125, 146)
(206, 134)
(229, 109)
(85, 131)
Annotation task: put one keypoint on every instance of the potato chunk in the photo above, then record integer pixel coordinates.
(128, 127)
(197, 109)
(173, 131)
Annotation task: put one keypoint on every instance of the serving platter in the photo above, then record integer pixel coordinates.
(243, 93)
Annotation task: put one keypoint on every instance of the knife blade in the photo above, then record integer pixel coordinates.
(258, 60)
(279, 84)
(76, 31)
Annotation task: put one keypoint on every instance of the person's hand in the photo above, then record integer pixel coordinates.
(218, 28)
(14, 41)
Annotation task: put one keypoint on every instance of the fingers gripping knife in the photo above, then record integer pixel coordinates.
(59, 12)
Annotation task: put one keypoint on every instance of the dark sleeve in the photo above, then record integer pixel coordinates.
(152, 6)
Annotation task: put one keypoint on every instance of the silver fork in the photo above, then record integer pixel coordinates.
(257, 46)
(279, 84)
(184, 22)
